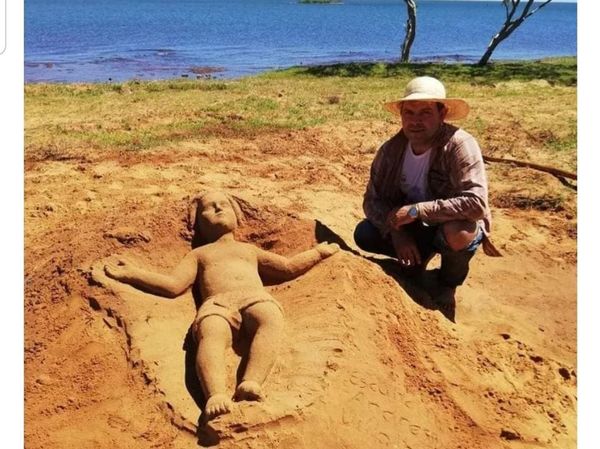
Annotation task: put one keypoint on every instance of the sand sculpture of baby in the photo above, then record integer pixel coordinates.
(228, 273)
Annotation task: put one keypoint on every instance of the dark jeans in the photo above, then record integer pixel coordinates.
(430, 240)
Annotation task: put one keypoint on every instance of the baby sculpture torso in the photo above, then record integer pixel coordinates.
(228, 266)
(229, 281)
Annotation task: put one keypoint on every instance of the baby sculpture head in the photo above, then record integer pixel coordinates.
(214, 214)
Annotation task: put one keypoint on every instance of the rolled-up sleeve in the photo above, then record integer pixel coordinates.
(469, 185)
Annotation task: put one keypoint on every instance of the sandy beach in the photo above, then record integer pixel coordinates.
(366, 361)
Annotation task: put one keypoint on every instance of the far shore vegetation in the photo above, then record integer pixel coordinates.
(519, 110)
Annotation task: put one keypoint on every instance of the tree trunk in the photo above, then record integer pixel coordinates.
(510, 25)
(411, 29)
(503, 34)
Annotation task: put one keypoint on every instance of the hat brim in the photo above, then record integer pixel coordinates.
(457, 108)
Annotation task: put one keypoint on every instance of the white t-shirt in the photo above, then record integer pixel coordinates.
(413, 180)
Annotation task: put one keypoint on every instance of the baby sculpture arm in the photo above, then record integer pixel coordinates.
(283, 268)
(166, 285)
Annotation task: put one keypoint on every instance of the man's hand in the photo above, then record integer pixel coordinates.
(399, 217)
(327, 249)
(406, 248)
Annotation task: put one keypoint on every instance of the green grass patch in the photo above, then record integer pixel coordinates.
(561, 71)
(565, 144)
(131, 138)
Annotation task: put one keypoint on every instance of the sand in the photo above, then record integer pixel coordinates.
(363, 363)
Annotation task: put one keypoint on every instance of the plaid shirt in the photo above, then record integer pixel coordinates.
(456, 180)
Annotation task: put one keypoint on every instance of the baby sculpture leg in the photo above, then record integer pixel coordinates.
(213, 336)
(264, 323)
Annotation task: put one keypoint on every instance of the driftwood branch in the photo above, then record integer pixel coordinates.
(553, 171)
(566, 183)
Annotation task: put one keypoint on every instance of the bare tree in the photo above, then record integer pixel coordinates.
(514, 18)
(411, 29)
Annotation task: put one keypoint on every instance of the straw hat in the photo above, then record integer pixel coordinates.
(426, 88)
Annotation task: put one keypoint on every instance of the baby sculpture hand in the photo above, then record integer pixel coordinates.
(327, 249)
(120, 270)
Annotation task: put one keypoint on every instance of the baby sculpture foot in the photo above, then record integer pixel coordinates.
(217, 404)
(249, 390)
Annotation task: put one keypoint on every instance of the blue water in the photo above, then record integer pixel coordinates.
(98, 40)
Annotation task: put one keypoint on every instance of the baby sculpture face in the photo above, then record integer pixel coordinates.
(217, 213)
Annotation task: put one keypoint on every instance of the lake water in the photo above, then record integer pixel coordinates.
(98, 40)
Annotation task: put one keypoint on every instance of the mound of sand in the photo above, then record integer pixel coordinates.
(363, 363)
(359, 356)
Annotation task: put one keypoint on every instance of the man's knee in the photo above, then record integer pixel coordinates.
(459, 234)
(364, 234)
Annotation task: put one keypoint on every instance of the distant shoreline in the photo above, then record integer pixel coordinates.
(78, 42)
(220, 73)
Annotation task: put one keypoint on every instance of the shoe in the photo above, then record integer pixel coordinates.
(444, 296)
(445, 299)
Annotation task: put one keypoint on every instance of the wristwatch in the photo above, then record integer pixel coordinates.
(413, 212)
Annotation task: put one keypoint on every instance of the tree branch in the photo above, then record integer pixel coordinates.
(511, 13)
(539, 7)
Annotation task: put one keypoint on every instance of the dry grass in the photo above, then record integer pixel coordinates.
(520, 110)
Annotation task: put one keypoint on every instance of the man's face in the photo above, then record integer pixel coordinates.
(217, 212)
(421, 121)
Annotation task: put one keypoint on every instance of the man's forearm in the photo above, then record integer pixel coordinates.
(461, 208)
